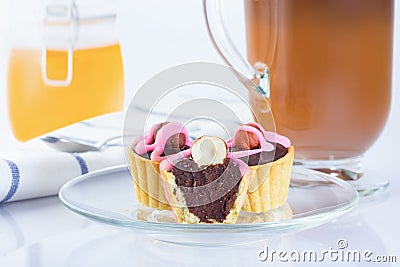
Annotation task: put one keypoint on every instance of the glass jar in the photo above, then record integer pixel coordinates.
(64, 66)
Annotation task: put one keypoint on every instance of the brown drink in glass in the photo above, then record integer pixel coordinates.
(330, 66)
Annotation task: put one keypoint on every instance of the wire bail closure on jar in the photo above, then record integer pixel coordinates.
(59, 31)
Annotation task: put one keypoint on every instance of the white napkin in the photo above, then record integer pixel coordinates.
(31, 174)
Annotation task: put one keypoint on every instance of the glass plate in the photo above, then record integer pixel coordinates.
(108, 196)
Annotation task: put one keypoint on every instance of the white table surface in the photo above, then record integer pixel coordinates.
(157, 34)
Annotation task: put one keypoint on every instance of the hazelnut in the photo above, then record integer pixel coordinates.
(175, 144)
(209, 150)
(157, 128)
(246, 140)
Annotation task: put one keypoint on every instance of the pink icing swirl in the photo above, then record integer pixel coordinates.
(264, 139)
(243, 167)
(168, 162)
(145, 144)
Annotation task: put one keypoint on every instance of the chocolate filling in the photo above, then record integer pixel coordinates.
(211, 192)
(266, 156)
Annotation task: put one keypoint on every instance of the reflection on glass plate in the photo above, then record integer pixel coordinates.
(108, 196)
(282, 213)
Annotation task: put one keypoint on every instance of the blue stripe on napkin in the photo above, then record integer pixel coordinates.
(15, 175)
(82, 163)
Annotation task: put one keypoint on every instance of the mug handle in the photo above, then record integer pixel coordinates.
(225, 47)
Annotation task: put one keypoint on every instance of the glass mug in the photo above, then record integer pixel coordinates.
(64, 66)
(329, 64)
